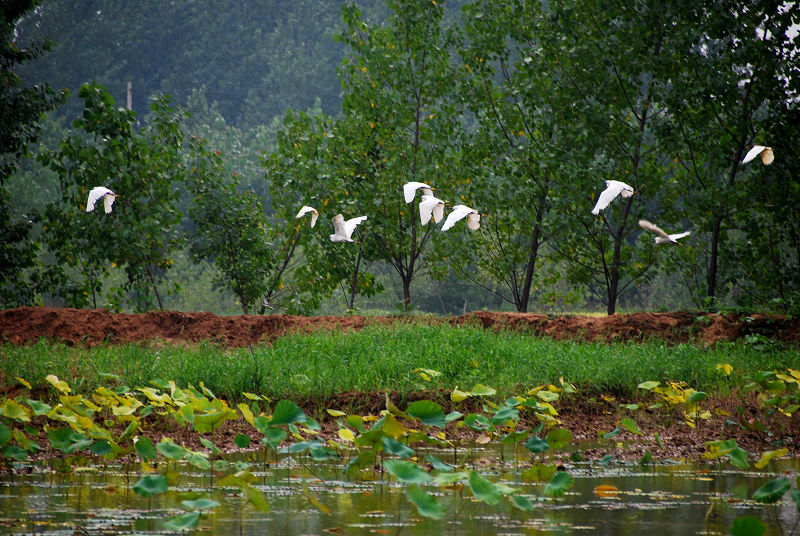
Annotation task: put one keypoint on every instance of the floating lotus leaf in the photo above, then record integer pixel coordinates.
(145, 449)
(772, 491)
(747, 526)
(396, 448)
(438, 464)
(407, 472)
(559, 438)
(203, 503)
(539, 473)
(426, 504)
(559, 484)
(521, 502)
(151, 485)
(483, 489)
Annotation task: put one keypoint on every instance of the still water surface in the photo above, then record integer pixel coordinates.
(664, 499)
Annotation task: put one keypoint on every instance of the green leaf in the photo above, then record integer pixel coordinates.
(649, 386)
(483, 489)
(505, 414)
(100, 447)
(362, 461)
(697, 396)
(255, 498)
(287, 412)
(747, 526)
(795, 495)
(536, 444)
(559, 438)
(482, 390)
(145, 450)
(203, 503)
(438, 464)
(559, 484)
(407, 472)
(207, 443)
(453, 416)
(630, 425)
(612, 434)
(428, 412)
(12, 410)
(183, 522)
(396, 448)
(273, 437)
(521, 502)
(170, 450)
(477, 422)
(425, 503)
(515, 437)
(14, 452)
(5, 434)
(67, 440)
(772, 491)
(198, 460)
(39, 408)
(242, 441)
(539, 473)
(151, 485)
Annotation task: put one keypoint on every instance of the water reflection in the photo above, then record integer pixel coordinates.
(668, 498)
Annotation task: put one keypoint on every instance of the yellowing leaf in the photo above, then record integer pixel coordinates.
(458, 396)
(246, 413)
(606, 491)
(24, 382)
(725, 368)
(769, 455)
(346, 435)
(335, 413)
(58, 384)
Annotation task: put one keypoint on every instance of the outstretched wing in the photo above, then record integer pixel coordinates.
(350, 225)
(430, 206)
(752, 153)
(305, 210)
(458, 213)
(674, 237)
(94, 195)
(410, 189)
(607, 196)
(108, 201)
(647, 226)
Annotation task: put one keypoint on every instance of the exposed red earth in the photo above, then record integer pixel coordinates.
(91, 327)
(586, 419)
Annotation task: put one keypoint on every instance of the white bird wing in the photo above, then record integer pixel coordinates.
(410, 189)
(752, 153)
(676, 236)
(350, 225)
(96, 193)
(108, 200)
(647, 226)
(305, 210)
(458, 213)
(607, 195)
(430, 206)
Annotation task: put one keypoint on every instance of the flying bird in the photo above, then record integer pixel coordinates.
(96, 193)
(459, 212)
(767, 156)
(343, 230)
(410, 189)
(431, 206)
(613, 189)
(662, 238)
(305, 210)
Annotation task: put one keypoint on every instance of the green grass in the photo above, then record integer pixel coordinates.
(380, 357)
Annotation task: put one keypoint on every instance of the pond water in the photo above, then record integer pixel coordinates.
(667, 498)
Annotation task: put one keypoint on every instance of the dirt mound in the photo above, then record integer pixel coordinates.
(91, 327)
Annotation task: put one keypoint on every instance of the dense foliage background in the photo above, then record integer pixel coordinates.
(520, 109)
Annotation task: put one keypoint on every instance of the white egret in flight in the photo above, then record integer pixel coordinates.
(305, 210)
(767, 156)
(613, 189)
(431, 206)
(410, 189)
(96, 193)
(343, 230)
(459, 212)
(662, 238)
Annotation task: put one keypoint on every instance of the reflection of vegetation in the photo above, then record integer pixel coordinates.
(110, 423)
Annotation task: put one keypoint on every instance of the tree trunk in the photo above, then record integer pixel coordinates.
(522, 306)
(354, 281)
(714, 259)
(153, 284)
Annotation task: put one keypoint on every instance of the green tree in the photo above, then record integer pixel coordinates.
(21, 108)
(230, 228)
(733, 87)
(397, 125)
(142, 167)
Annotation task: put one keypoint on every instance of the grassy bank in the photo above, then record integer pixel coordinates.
(322, 364)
